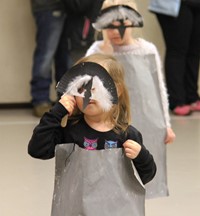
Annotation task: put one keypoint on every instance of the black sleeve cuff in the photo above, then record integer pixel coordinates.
(141, 158)
(59, 110)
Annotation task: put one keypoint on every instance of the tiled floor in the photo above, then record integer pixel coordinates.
(26, 184)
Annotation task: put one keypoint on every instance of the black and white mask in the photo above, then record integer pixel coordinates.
(90, 81)
(118, 13)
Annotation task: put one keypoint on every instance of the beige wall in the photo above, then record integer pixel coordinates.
(16, 46)
(17, 43)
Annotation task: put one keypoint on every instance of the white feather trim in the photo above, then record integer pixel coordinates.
(117, 14)
(76, 84)
(101, 94)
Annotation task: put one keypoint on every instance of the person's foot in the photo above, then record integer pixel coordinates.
(195, 106)
(183, 110)
(40, 109)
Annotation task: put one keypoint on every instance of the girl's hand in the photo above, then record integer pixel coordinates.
(69, 102)
(132, 149)
(170, 137)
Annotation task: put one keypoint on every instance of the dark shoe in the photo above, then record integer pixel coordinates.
(40, 109)
(182, 110)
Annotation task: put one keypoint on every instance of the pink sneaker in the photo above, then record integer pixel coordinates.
(195, 106)
(182, 110)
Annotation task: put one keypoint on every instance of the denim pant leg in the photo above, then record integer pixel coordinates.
(49, 29)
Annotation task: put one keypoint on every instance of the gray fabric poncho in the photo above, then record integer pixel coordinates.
(96, 183)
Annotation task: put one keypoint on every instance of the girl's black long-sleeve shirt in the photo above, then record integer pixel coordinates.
(49, 132)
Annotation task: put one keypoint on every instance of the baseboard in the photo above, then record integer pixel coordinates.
(15, 105)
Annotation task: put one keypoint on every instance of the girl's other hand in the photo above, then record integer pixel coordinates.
(170, 136)
(69, 102)
(132, 149)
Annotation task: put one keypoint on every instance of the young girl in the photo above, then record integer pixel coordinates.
(144, 79)
(94, 177)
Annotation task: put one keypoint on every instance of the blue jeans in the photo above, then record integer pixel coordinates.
(51, 49)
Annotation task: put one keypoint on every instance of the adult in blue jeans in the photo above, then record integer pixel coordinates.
(51, 49)
(179, 21)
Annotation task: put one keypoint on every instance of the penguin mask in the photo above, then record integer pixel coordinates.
(118, 13)
(90, 81)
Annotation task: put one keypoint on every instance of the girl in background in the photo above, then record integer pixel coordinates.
(144, 79)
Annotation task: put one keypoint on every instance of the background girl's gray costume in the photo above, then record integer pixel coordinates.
(96, 183)
(149, 105)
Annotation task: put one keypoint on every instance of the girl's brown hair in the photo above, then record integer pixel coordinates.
(119, 115)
